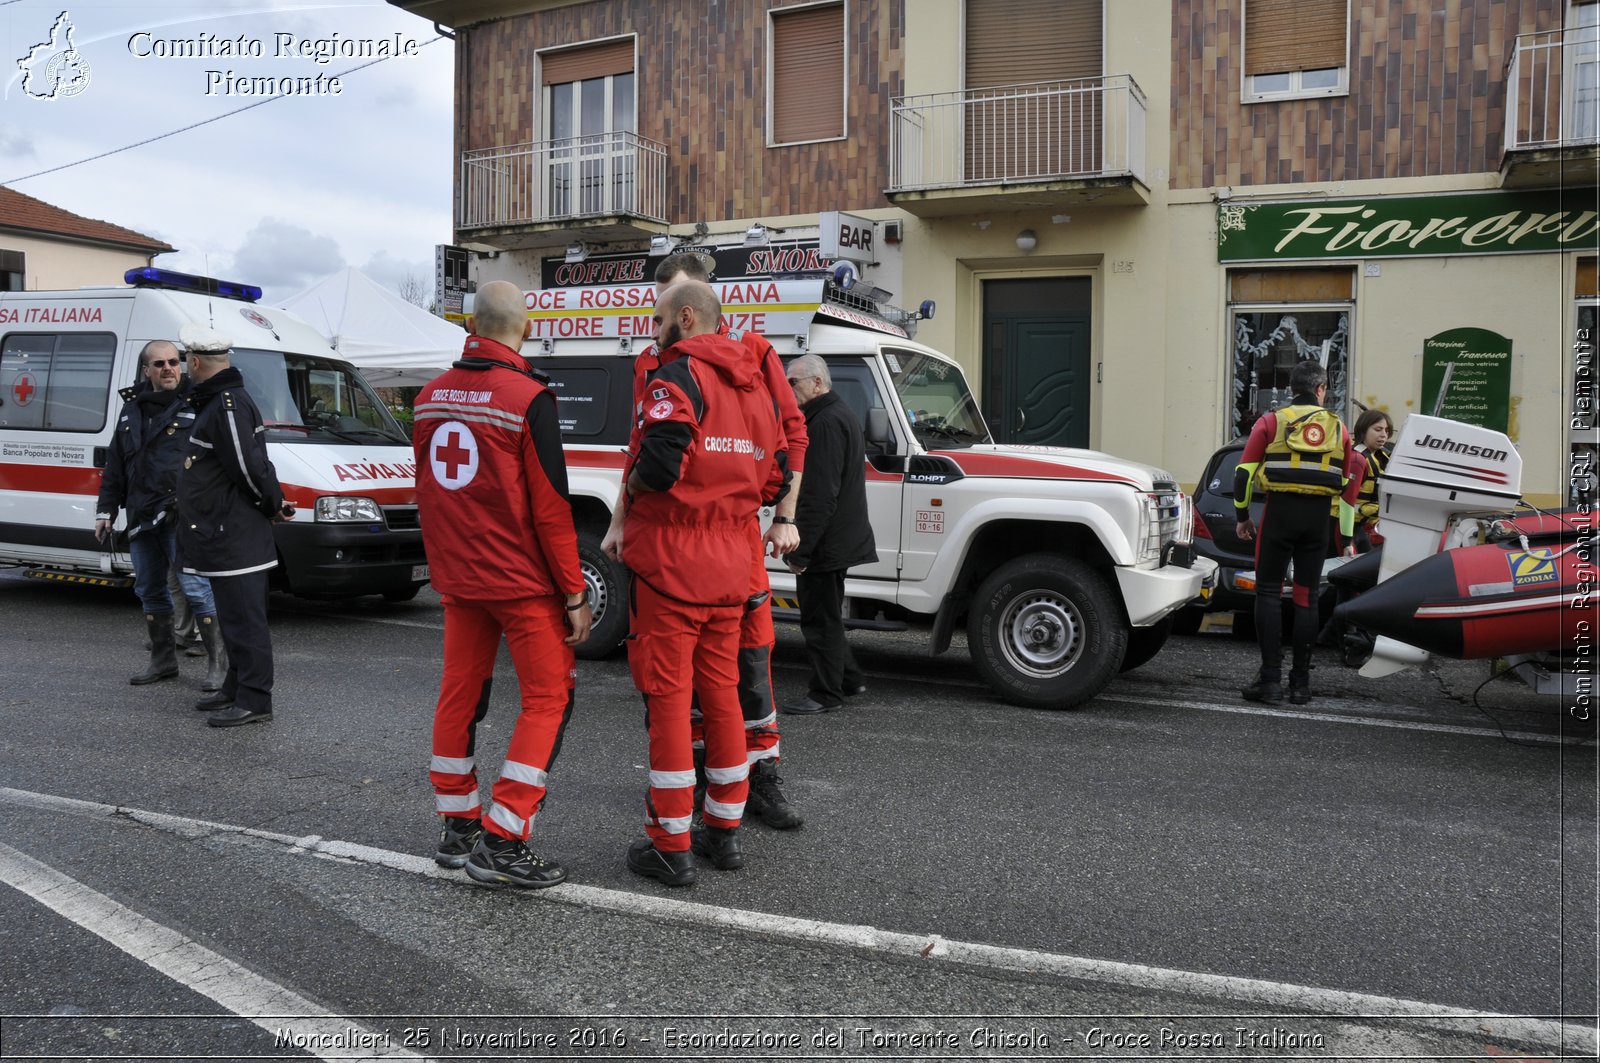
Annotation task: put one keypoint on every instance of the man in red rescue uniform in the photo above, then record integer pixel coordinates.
(706, 459)
(503, 554)
(757, 637)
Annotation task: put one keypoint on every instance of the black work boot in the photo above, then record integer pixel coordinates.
(1299, 688)
(720, 845)
(497, 861)
(1267, 689)
(766, 802)
(163, 652)
(669, 869)
(216, 654)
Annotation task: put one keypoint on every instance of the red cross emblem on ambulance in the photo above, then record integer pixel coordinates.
(453, 455)
(23, 388)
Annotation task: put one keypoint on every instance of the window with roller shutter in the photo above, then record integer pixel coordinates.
(1296, 48)
(805, 75)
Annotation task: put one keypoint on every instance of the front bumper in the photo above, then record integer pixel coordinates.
(325, 560)
(1153, 593)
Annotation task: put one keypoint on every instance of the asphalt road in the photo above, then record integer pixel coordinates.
(1165, 872)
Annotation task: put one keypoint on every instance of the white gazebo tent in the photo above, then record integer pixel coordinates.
(392, 342)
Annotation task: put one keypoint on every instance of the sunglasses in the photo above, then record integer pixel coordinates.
(158, 365)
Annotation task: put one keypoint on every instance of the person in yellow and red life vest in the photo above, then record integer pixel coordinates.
(757, 637)
(503, 554)
(1372, 433)
(1303, 457)
(705, 463)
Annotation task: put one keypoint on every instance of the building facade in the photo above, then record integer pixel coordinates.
(1133, 216)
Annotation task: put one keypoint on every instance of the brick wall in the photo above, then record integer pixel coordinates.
(701, 78)
(1427, 96)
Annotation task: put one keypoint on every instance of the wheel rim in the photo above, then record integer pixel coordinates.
(594, 582)
(1042, 634)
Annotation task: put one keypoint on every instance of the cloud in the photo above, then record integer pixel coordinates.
(396, 273)
(279, 254)
(15, 145)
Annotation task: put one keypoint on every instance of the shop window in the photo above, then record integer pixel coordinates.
(805, 74)
(12, 268)
(1296, 48)
(590, 163)
(1308, 316)
(56, 383)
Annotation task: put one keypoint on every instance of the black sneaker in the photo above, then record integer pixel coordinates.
(501, 861)
(766, 802)
(458, 835)
(669, 869)
(720, 845)
(1267, 691)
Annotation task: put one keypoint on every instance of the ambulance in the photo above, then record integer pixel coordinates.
(68, 359)
(1063, 565)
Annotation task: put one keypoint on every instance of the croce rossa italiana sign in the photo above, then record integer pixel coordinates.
(1486, 223)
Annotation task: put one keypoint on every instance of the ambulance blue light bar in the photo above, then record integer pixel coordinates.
(151, 277)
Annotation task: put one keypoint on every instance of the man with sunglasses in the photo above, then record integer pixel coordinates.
(141, 477)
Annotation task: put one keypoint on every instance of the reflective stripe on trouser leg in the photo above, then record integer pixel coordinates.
(661, 658)
(471, 640)
(716, 679)
(546, 668)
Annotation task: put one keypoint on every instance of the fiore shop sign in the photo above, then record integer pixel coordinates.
(1485, 223)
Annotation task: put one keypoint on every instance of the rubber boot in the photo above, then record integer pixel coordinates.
(163, 653)
(185, 625)
(216, 653)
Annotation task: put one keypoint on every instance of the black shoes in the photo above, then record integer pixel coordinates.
(498, 861)
(669, 869)
(1264, 690)
(238, 716)
(766, 801)
(458, 835)
(855, 691)
(214, 702)
(806, 706)
(1299, 689)
(720, 845)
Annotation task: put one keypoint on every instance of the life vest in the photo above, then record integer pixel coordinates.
(1306, 455)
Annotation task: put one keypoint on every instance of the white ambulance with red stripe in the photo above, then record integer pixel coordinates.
(66, 357)
(1064, 565)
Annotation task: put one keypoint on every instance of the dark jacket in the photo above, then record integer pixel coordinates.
(228, 491)
(832, 512)
(141, 471)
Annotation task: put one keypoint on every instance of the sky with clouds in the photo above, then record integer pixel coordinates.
(280, 195)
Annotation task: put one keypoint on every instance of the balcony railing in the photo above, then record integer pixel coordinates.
(604, 175)
(1048, 131)
(1553, 90)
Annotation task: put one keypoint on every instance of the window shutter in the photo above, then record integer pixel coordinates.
(593, 61)
(1285, 35)
(1017, 42)
(808, 74)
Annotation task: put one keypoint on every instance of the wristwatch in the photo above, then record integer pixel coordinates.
(783, 520)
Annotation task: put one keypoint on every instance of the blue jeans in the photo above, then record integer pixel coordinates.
(153, 554)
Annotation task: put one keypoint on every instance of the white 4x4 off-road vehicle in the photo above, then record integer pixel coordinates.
(1065, 565)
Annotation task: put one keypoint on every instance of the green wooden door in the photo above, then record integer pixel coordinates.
(1036, 360)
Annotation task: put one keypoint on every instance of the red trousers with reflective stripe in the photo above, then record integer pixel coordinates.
(680, 653)
(757, 638)
(534, 629)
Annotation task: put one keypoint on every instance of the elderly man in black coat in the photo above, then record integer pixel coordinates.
(834, 534)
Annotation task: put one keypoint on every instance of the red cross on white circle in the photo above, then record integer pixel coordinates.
(453, 455)
(23, 388)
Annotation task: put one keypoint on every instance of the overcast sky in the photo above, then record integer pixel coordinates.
(280, 195)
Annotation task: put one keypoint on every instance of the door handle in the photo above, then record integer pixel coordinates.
(1022, 418)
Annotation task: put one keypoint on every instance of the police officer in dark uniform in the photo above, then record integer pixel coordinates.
(228, 498)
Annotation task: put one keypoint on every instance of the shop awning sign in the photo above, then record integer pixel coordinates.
(1484, 223)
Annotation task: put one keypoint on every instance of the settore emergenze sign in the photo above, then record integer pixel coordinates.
(1485, 223)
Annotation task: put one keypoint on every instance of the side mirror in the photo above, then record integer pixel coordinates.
(879, 437)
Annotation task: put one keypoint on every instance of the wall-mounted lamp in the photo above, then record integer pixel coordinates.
(1027, 240)
(756, 236)
(661, 245)
(577, 251)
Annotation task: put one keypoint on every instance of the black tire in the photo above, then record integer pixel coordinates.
(607, 583)
(1045, 631)
(1187, 621)
(1145, 642)
(403, 595)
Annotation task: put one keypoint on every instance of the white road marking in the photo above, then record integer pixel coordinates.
(291, 1019)
(930, 947)
(1328, 717)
